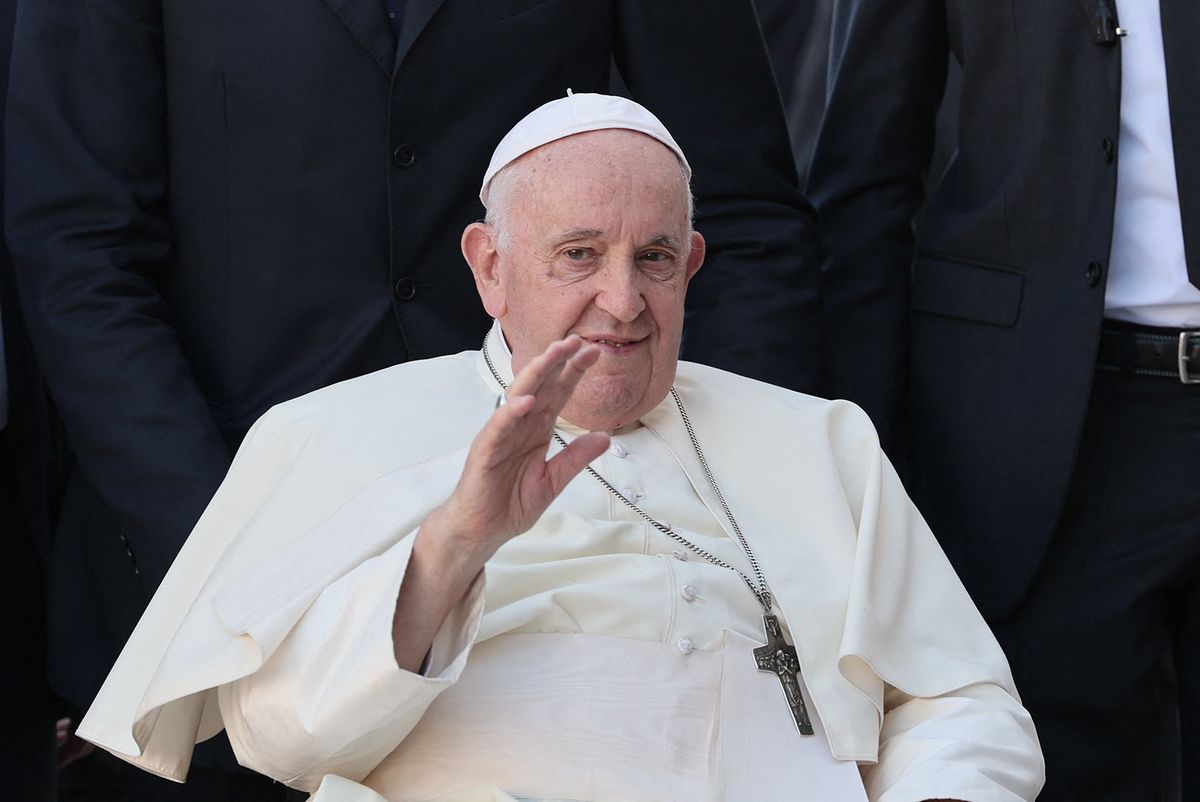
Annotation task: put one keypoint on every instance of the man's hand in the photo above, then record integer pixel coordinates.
(505, 486)
(507, 482)
(70, 746)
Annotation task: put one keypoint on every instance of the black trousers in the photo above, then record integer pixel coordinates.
(27, 749)
(206, 785)
(1106, 648)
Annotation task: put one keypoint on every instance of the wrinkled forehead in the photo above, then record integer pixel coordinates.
(605, 152)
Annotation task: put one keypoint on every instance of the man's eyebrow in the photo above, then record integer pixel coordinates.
(573, 234)
(666, 241)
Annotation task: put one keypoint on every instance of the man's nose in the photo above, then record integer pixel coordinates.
(620, 293)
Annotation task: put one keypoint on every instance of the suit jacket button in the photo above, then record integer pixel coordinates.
(1094, 273)
(1110, 150)
(404, 156)
(406, 289)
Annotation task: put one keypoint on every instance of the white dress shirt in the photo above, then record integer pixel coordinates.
(1148, 278)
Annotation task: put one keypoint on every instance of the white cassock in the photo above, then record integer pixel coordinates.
(595, 659)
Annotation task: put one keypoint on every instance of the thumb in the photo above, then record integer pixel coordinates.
(566, 464)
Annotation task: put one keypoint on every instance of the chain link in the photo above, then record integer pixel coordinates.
(762, 592)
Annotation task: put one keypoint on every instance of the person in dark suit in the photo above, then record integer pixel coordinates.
(27, 738)
(797, 37)
(1031, 350)
(217, 206)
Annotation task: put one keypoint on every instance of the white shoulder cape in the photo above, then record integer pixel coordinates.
(790, 466)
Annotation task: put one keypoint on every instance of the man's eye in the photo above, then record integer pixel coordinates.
(576, 254)
(658, 262)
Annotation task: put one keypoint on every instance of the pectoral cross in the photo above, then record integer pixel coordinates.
(779, 658)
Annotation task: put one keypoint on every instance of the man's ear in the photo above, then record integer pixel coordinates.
(479, 249)
(695, 256)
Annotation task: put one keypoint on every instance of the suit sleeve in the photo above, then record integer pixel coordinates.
(887, 73)
(702, 67)
(88, 230)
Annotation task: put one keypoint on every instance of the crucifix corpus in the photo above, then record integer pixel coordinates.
(778, 657)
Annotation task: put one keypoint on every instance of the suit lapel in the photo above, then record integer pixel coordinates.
(1180, 22)
(369, 24)
(417, 14)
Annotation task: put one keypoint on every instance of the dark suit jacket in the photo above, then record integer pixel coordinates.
(31, 441)
(28, 472)
(215, 206)
(981, 331)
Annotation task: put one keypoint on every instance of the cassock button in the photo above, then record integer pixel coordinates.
(686, 646)
(617, 450)
(406, 289)
(404, 156)
(689, 593)
(679, 554)
(631, 495)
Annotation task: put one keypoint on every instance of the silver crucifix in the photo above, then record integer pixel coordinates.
(779, 658)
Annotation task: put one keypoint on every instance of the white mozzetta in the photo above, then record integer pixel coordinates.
(576, 667)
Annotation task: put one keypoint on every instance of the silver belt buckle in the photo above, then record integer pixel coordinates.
(1188, 374)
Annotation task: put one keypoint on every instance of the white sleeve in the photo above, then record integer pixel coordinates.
(331, 699)
(973, 744)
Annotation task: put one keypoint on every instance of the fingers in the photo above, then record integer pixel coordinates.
(536, 398)
(556, 391)
(567, 463)
(550, 361)
(500, 437)
(561, 358)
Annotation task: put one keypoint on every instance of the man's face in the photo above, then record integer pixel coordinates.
(599, 244)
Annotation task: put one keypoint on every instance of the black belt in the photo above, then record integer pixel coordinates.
(1150, 351)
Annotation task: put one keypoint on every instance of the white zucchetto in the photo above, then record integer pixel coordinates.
(575, 114)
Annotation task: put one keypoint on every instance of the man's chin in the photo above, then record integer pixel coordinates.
(603, 408)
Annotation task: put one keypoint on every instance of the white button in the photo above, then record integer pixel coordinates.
(689, 593)
(617, 450)
(631, 495)
(679, 554)
(686, 646)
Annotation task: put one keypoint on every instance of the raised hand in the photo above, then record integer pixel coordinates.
(506, 484)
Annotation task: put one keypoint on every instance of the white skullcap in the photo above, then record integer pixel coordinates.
(575, 114)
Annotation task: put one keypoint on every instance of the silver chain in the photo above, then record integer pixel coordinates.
(761, 592)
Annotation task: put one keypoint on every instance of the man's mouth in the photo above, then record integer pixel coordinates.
(616, 343)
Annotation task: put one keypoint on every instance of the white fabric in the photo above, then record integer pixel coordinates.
(578, 716)
(1148, 278)
(575, 114)
(282, 598)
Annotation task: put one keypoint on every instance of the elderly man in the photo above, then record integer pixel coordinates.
(409, 596)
